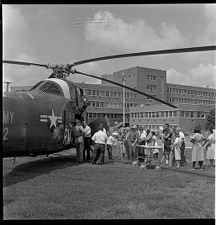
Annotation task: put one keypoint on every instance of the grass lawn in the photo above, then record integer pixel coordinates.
(59, 188)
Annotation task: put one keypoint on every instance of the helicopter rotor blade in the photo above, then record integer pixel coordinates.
(129, 88)
(23, 63)
(156, 52)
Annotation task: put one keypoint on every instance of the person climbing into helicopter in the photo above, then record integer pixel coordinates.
(78, 132)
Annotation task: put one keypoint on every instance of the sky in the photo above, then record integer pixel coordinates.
(62, 34)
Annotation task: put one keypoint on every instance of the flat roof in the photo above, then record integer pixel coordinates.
(187, 86)
(162, 107)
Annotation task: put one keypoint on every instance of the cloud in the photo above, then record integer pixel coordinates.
(13, 19)
(207, 37)
(135, 36)
(176, 77)
(210, 12)
(14, 30)
(202, 75)
(209, 34)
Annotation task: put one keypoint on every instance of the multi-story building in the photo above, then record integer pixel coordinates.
(186, 116)
(148, 80)
(107, 99)
(176, 93)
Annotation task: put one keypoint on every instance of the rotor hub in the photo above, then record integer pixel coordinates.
(61, 71)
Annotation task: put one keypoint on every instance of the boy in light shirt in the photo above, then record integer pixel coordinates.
(111, 140)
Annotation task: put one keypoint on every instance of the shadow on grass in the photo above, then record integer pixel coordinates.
(33, 169)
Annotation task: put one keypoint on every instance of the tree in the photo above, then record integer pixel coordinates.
(211, 119)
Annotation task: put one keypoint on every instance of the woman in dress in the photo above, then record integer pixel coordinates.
(197, 149)
(211, 147)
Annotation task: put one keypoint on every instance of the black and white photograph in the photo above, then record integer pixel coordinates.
(108, 111)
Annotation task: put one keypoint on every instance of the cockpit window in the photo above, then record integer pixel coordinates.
(51, 88)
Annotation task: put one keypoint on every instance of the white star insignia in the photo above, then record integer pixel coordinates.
(53, 119)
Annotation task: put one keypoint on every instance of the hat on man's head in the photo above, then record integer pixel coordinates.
(134, 126)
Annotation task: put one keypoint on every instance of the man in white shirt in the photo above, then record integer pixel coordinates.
(100, 139)
(87, 141)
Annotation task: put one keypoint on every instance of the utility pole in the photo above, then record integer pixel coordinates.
(123, 81)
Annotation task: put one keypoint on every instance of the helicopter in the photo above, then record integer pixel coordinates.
(40, 121)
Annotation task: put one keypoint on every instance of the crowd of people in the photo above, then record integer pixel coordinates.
(131, 142)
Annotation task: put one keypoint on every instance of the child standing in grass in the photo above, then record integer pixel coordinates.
(197, 149)
(111, 140)
(177, 150)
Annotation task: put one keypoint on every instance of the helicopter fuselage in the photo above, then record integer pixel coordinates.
(37, 122)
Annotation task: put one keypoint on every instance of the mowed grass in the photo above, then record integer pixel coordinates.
(59, 188)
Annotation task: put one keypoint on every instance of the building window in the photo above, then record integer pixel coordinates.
(102, 104)
(198, 114)
(141, 114)
(90, 115)
(191, 114)
(174, 113)
(170, 114)
(146, 115)
(120, 105)
(104, 93)
(153, 114)
(94, 92)
(157, 114)
(113, 94)
(182, 113)
(187, 114)
(167, 114)
(149, 114)
(93, 104)
(162, 114)
(85, 91)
